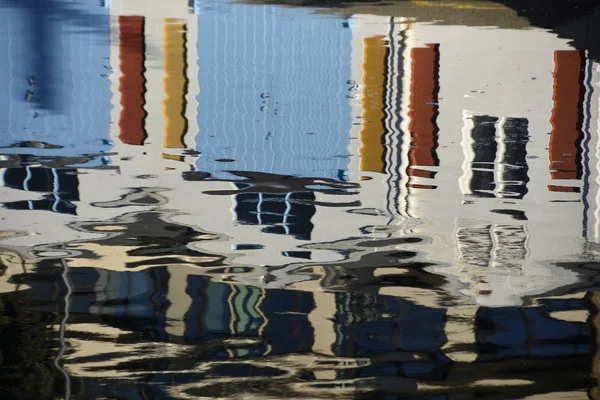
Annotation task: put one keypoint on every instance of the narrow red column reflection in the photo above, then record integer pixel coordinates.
(423, 111)
(567, 118)
(132, 84)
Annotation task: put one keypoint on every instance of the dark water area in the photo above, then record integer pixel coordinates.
(299, 199)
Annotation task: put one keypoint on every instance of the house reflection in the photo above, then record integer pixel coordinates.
(376, 335)
(359, 191)
(55, 88)
(379, 116)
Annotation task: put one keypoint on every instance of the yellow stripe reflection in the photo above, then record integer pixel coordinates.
(373, 103)
(174, 83)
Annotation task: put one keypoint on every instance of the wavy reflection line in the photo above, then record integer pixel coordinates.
(62, 329)
(588, 88)
(395, 117)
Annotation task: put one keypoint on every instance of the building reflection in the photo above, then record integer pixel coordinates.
(54, 86)
(370, 335)
(248, 129)
(371, 109)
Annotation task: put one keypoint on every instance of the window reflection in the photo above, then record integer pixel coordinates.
(484, 148)
(285, 214)
(513, 169)
(61, 184)
(496, 157)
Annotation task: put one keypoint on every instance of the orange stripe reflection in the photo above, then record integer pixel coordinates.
(564, 189)
(567, 115)
(132, 82)
(423, 111)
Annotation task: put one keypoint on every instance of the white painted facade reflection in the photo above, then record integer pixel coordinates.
(443, 132)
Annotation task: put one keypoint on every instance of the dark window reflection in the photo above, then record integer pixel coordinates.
(484, 148)
(285, 214)
(62, 184)
(499, 159)
(514, 167)
(475, 245)
(511, 332)
(510, 248)
(503, 245)
(221, 310)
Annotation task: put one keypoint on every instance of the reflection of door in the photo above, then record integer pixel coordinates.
(247, 319)
(209, 314)
(288, 327)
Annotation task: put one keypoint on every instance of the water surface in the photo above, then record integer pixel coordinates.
(299, 199)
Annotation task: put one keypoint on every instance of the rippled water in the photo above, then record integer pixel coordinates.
(299, 199)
